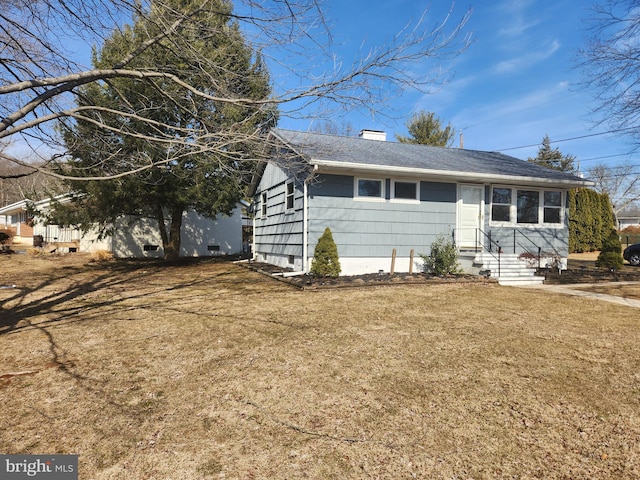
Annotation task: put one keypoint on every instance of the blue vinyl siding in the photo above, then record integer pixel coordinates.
(280, 232)
(365, 228)
(550, 240)
(374, 228)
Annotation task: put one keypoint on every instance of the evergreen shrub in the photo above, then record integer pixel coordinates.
(611, 252)
(443, 258)
(326, 262)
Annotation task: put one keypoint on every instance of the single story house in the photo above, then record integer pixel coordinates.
(388, 202)
(629, 218)
(14, 218)
(134, 237)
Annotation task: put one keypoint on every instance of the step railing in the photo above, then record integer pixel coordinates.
(521, 242)
(483, 243)
(490, 243)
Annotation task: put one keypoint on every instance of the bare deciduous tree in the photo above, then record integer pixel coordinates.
(19, 182)
(611, 65)
(40, 76)
(621, 183)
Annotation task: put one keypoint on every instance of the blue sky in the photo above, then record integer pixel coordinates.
(517, 82)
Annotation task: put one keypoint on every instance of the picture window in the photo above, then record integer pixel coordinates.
(369, 188)
(405, 190)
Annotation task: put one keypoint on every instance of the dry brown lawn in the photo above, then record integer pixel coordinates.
(207, 370)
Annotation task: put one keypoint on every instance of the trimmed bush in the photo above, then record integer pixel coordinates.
(326, 262)
(590, 219)
(611, 252)
(443, 258)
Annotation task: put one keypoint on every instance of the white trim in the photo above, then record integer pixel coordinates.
(305, 227)
(380, 198)
(481, 208)
(393, 197)
(513, 211)
(264, 204)
(292, 209)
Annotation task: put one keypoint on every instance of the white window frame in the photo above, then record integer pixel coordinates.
(560, 207)
(513, 211)
(263, 204)
(395, 199)
(289, 195)
(356, 195)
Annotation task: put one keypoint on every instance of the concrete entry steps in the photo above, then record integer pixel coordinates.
(511, 271)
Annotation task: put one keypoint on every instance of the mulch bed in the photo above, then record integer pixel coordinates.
(591, 275)
(309, 282)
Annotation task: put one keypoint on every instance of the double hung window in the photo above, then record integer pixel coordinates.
(290, 196)
(263, 205)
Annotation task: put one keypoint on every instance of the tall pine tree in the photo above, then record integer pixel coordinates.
(191, 177)
(426, 129)
(552, 158)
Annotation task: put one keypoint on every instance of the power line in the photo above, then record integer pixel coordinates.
(568, 139)
(605, 156)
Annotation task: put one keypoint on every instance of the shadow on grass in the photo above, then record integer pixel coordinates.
(64, 288)
(57, 299)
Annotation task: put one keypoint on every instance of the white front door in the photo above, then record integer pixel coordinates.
(470, 204)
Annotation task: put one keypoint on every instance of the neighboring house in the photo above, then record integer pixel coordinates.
(378, 196)
(15, 217)
(628, 218)
(136, 237)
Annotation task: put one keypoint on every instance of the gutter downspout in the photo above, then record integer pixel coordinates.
(305, 222)
(253, 236)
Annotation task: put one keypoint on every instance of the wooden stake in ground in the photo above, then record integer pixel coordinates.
(411, 261)
(393, 261)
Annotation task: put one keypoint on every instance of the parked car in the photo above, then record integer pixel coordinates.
(632, 254)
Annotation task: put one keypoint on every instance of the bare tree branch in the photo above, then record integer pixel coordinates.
(621, 183)
(40, 80)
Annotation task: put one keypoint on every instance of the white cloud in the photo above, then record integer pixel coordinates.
(516, 20)
(527, 60)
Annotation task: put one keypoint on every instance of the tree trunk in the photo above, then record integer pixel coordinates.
(171, 239)
(162, 228)
(172, 249)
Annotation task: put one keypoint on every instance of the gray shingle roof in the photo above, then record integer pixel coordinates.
(339, 150)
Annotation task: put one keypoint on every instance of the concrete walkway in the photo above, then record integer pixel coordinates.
(572, 289)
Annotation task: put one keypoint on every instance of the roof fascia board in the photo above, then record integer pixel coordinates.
(16, 206)
(328, 166)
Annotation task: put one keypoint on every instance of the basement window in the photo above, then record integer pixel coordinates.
(150, 248)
